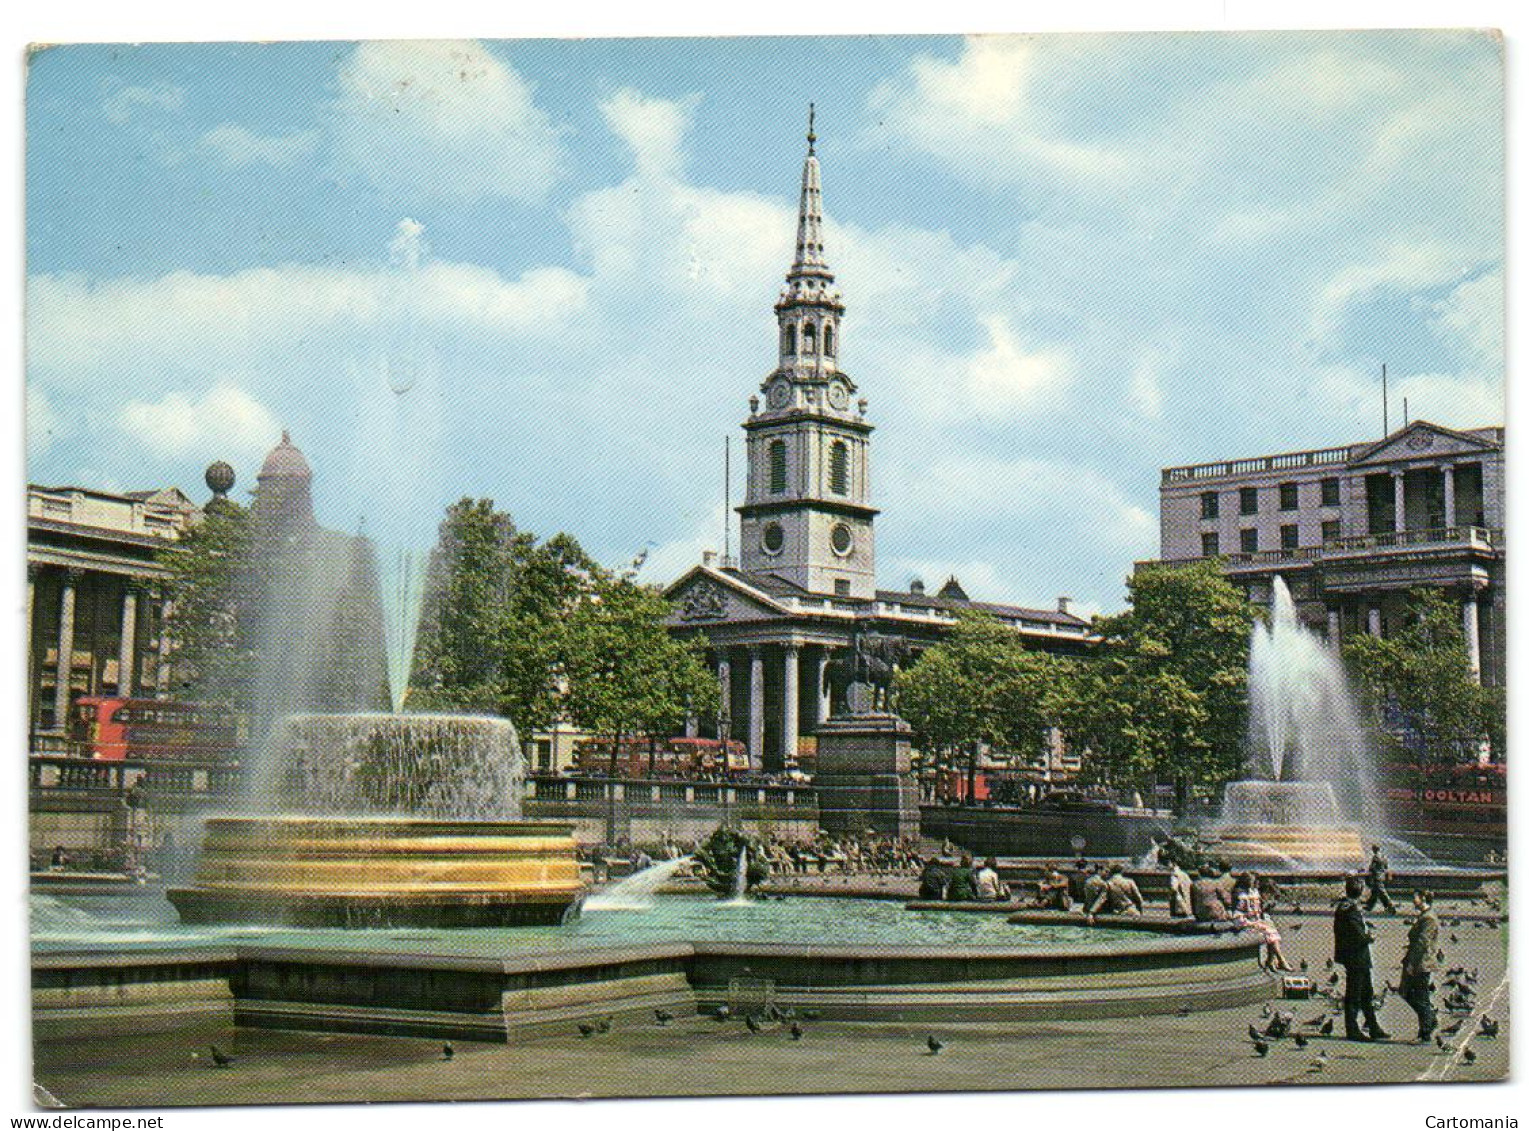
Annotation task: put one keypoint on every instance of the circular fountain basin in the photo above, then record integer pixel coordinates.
(847, 959)
(381, 872)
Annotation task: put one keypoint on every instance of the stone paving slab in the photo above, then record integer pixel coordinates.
(697, 1056)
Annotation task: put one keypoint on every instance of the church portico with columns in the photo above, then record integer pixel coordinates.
(781, 621)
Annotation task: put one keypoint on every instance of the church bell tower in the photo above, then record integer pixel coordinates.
(806, 515)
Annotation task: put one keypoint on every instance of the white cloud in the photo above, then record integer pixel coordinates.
(1146, 385)
(1470, 399)
(964, 485)
(1472, 316)
(441, 121)
(1405, 266)
(1005, 375)
(125, 103)
(653, 128)
(982, 110)
(224, 422)
(237, 147)
(75, 326)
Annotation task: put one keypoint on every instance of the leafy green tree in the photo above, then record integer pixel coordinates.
(1165, 697)
(1423, 698)
(212, 655)
(491, 626)
(625, 675)
(979, 687)
(466, 609)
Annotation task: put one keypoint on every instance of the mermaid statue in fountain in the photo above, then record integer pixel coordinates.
(1314, 795)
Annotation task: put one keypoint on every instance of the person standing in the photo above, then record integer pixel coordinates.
(1351, 950)
(1418, 964)
(1378, 872)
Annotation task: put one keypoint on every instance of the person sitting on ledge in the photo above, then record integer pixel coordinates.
(1207, 898)
(1054, 894)
(934, 879)
(990, 889)
(1093, 886)
(963, 883)
(1250, 915)
(60, 859)
(1119, 895)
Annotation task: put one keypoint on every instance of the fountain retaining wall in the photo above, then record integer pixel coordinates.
(339, 990)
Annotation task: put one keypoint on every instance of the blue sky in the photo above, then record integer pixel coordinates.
(1068, 261)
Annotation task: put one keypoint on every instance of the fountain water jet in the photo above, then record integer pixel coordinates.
(1305, 734)
(636, 892)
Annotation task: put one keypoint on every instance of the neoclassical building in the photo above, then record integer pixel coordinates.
(804, 583)
(95, 598)
(1351, 529)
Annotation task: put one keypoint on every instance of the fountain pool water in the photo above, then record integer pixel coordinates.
(115, 923)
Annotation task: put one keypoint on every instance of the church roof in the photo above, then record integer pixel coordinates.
(779, 587)
(912, 600)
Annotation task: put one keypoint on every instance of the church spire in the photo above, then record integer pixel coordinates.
(809, 217)
(809, 308)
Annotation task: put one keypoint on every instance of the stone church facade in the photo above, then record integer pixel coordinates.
(804, 584)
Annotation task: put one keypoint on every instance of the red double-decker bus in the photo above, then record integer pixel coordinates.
(111, 729)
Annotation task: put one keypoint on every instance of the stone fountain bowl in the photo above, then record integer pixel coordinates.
(382, 872)
(1286, 825)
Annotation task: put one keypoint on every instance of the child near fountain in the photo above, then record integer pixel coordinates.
(1250, 915)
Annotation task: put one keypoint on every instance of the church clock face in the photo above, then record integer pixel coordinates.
(838, 394)
(778, 394)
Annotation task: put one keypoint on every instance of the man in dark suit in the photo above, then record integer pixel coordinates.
(1418, 965)
(1351, 950)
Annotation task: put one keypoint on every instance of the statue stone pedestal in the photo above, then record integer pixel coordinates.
(864, 776)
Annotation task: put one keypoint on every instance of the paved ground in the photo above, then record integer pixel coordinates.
(699, 1056)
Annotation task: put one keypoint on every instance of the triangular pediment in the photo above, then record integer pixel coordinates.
(708, 596)
(1421, 440)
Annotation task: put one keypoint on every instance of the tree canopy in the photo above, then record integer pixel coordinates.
(538, 632)
(1165, 698)
(1425, 703)
(980, 687)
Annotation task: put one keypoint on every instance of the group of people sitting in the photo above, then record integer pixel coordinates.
(963, 882)
(1217, 897)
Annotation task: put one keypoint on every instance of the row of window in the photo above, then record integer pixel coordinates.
(1289, 538)
(838, 467)
(809, 339)
(1289, 498)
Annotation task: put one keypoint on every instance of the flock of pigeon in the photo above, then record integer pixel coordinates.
(1459, 1002)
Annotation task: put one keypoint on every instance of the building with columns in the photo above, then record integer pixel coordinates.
(1351, 529)
(95, 605)
(804, 583)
